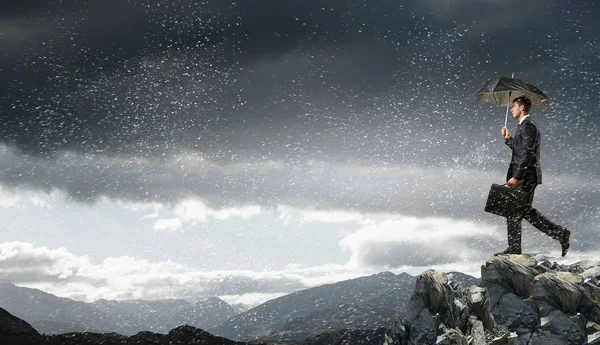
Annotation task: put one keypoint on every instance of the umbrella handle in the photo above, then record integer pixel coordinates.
(507, 107)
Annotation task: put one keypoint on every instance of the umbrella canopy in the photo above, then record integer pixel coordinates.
(502, 91)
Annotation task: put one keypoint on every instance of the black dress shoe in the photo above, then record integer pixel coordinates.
(564, 242)
(509, 250)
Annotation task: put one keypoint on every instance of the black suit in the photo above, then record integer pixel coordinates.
(525, 167)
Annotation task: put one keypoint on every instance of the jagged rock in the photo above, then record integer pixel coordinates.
(520, 301)
(501, 340)
(553, 308)
(592, 330)
(399, 329)
(495, 293)
(442, 313)
(424, 329)
(559, 329)
(565, 296)
(570, 277)
(480, 306)
(463, 302)
(507, 338)
(429, 289)
(559, 293)
(450, 336)
(516, 314)
(524, 260)
(593, 287)
(477, 332)
(510, 275)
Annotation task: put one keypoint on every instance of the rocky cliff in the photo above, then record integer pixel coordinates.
(520, 300)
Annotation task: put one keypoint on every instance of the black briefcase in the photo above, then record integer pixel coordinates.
(505, 201)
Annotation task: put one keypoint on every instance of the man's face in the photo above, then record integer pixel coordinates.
(516, 110)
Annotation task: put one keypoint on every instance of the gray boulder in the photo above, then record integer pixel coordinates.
(517, 315)
(477, 332)
(542, 303)
(440, 312)
(560, 294)
(512, 276)
(521, 300)
(559, 328)
(480, 306)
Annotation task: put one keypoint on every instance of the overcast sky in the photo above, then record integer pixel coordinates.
(153, 149)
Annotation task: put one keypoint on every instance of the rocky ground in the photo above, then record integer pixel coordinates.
(521, 300)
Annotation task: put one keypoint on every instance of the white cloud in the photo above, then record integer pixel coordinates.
(139, 206)
(168, 224)
(393, 245)
(196, 210)
(242, 212)
(416, 242)
(288, 214)
(191, 210)
(332, 216)
(59, 272)
(25, 198)
(23, 258)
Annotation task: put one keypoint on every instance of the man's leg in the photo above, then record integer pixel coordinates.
(545, 225)
(513, 227)
(513, 224)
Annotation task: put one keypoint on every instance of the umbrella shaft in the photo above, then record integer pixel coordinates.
(507, 108)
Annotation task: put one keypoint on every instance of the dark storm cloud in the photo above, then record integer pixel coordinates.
(272, 102)
(148, 77)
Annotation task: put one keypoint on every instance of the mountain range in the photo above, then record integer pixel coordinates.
(50, 314)
(365, 303)
(519, 300)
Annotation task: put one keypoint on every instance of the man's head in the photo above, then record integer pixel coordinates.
(520, 107)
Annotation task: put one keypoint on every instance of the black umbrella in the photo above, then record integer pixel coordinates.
(502, 90)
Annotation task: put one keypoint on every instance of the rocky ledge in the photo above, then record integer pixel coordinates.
(521, 300)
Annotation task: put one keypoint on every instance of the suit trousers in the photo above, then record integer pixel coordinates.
(534, 217)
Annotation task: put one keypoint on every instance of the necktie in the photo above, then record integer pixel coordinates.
(517, 130)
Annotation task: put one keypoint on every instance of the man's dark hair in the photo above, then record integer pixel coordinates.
(524, 101)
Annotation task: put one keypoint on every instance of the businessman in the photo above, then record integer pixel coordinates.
(525, 173)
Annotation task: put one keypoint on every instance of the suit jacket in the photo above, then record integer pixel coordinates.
(525, 161)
